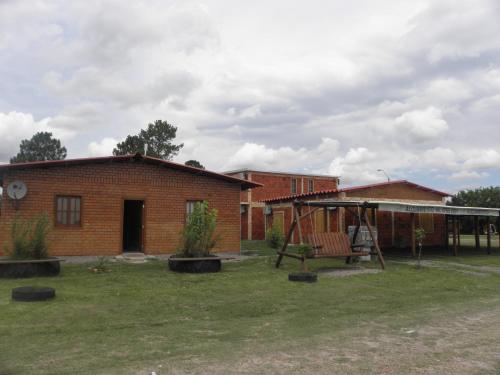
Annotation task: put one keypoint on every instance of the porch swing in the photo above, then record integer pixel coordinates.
(330, 244)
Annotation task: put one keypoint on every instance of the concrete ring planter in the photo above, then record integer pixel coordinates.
(208, 264)
(33, 293)
(16, 269)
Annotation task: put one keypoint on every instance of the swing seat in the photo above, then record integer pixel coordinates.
(333, 245)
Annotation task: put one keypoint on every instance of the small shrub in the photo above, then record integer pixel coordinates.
(198, 237)
(101, 266)
(41, 229)
(274, 236)
(305, 249)
(419, 236)
(29, 238)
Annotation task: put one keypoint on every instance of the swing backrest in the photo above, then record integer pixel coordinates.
(330, 244)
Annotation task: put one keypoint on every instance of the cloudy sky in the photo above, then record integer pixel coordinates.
(330, 87)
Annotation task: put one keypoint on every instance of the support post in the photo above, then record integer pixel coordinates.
(413, 244)
(297, 219)
(287, 239)
(498, 231)
(325, 219)
(454, 235)
(476, 232)
(488, 235)
(446, 232)
(459, 221)
(374, 240)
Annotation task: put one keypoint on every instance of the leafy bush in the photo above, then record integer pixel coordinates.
(198, 236)
(305, 249)
(29, 238)
(274, 236)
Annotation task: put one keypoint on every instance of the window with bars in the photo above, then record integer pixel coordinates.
(190, 207)
(294, 186)
(310, 185)
(68, 211)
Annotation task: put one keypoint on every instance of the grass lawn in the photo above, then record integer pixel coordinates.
(141, 318)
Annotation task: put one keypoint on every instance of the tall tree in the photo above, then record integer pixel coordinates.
(194, 163)
(481, 197)
(42, 146)
(158, 136)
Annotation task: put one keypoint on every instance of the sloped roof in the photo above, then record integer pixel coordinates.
(395, 182)
(298, 196)
(124, 158)
(350, 189)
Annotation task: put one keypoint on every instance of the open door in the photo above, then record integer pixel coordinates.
(133, 226)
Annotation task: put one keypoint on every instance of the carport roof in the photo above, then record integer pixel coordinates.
(407, 207)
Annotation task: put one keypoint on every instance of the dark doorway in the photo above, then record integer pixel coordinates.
(132, 225)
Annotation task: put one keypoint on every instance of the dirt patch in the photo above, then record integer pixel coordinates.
(462, 345)
(458, 267)
(343, 272)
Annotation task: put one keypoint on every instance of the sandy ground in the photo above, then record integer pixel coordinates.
(462, 345)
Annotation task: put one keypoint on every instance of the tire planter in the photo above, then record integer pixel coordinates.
(15, 269)
(194, 265)
(305, 277)
(32, 293)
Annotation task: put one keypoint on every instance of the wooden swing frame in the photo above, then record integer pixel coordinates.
(316, 205)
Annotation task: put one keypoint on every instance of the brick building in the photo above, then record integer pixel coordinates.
(394, 228)
(107, 205)
(275, 184)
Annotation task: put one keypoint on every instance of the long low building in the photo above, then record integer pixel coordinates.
(396, 209)
(111, 205)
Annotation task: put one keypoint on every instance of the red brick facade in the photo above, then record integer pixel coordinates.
(103, 189)
(275, 184)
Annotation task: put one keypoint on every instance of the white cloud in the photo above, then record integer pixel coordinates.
(468, 175)
(103, 148)
(422, 125)
(484, 159)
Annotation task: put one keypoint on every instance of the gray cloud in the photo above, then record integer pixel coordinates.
(327, 87)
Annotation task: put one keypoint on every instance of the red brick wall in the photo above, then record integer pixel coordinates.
(103, 187)
(277, 185)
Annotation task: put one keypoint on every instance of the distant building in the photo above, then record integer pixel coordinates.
(254, 221)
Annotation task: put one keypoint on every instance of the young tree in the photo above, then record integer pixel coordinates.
(158, 137)
(194, 163)
(42, 146)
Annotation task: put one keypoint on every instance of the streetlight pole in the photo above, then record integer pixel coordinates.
(385, 173)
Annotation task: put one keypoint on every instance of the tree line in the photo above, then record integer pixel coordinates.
(155, 141)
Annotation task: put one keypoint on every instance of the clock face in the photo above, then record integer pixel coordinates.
(17, 190)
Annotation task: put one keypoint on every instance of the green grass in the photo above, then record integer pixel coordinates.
(139, 316)
(468, 240)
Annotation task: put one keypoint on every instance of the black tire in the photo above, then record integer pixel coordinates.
(195, 266)
(32, 293)
(18, 270)
(305, 277)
